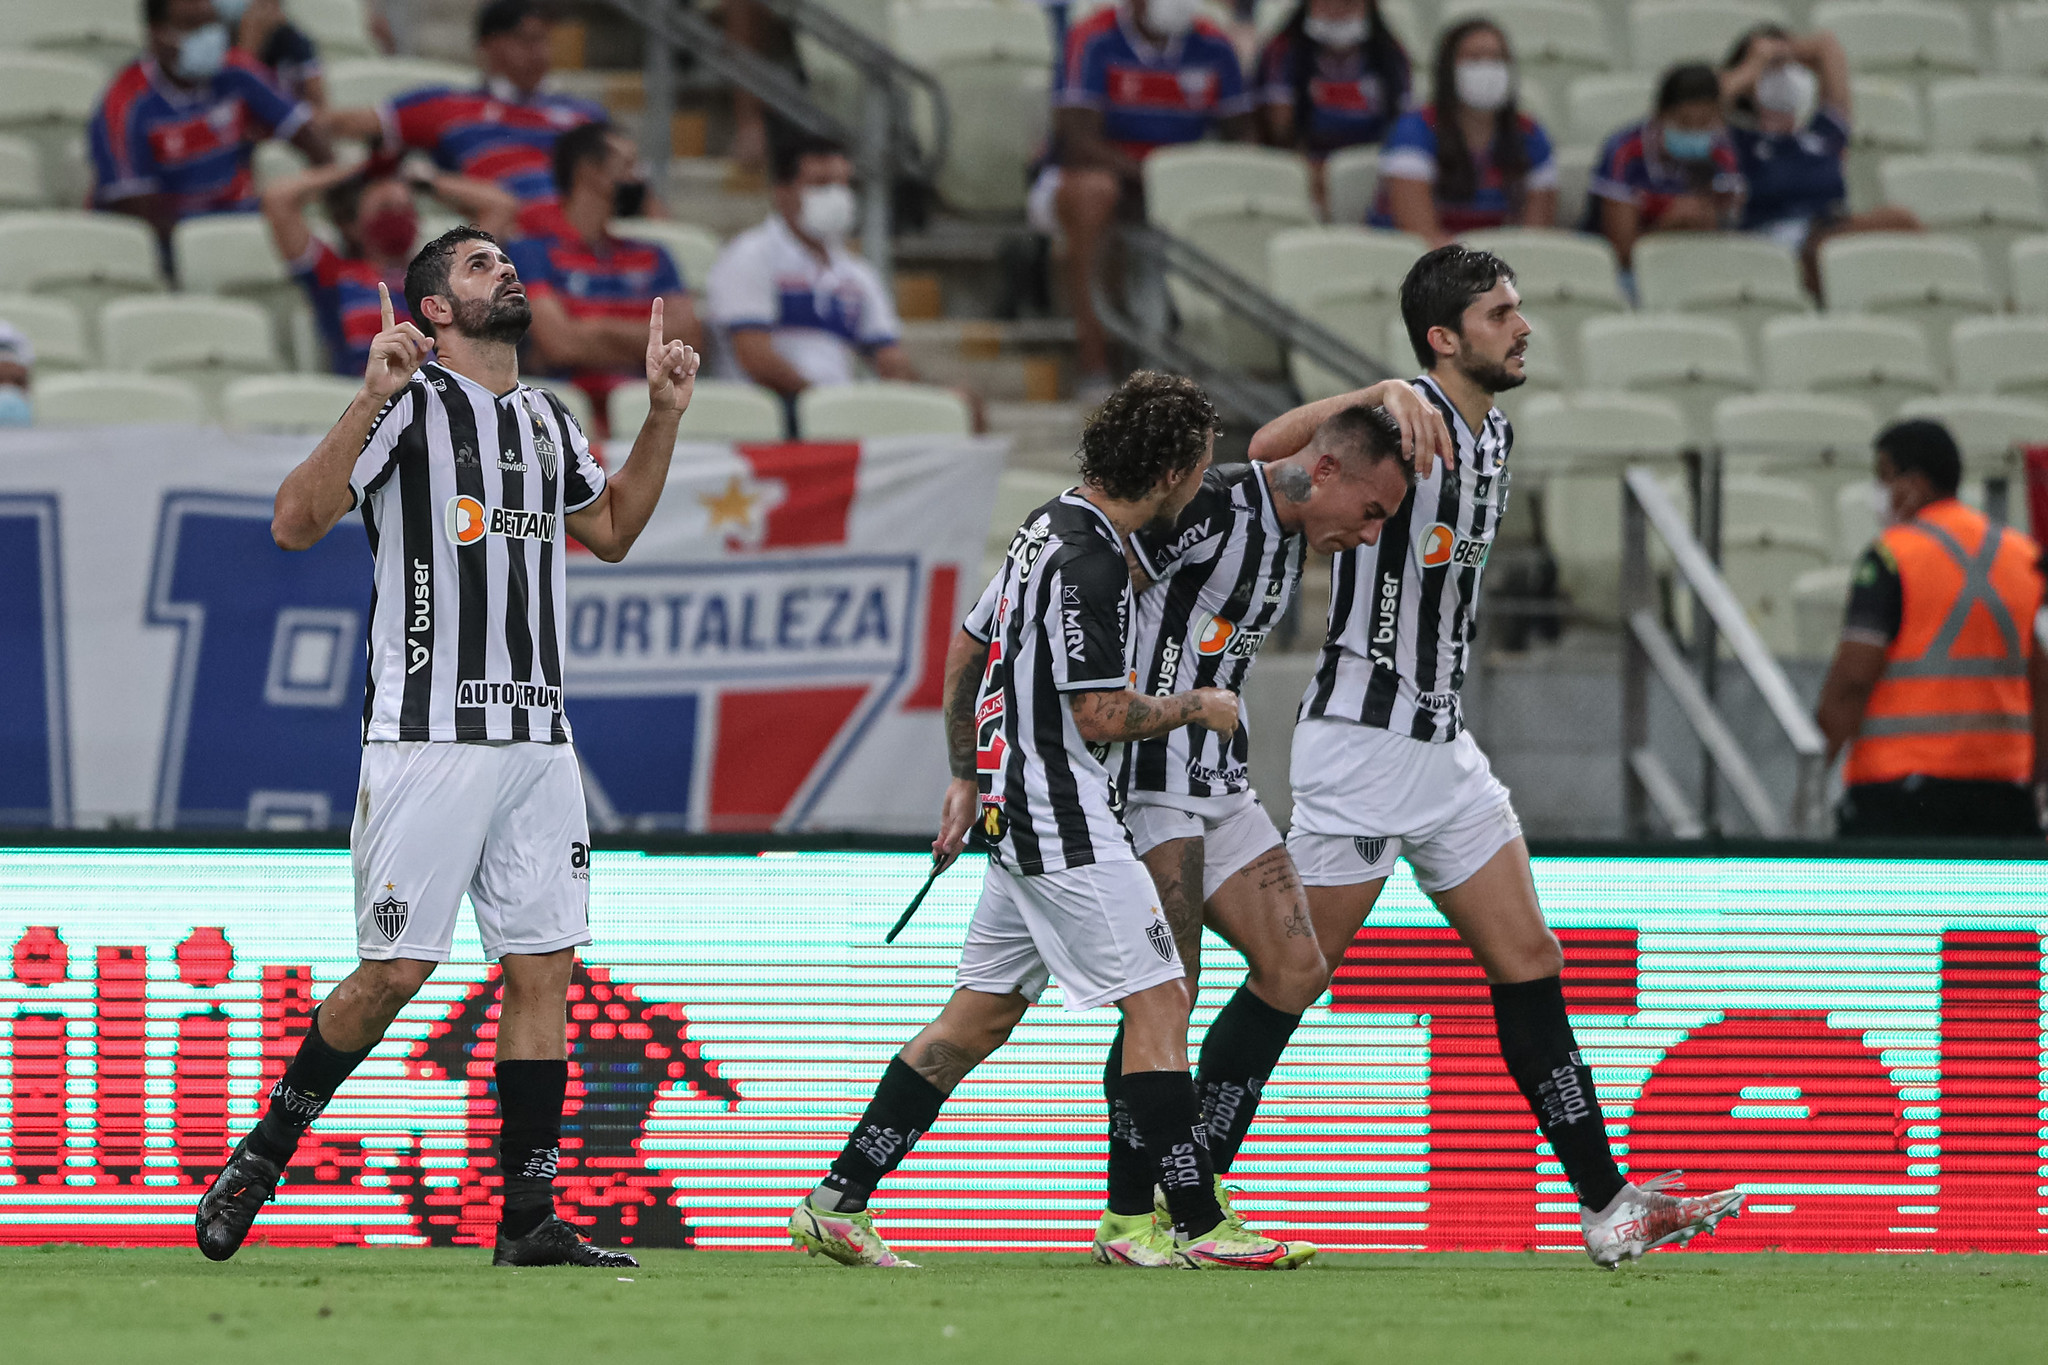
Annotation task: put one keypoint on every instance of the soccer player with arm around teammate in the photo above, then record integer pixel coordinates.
(466, 480)
(1211, 584)
(1384, 767)
(1038, 703)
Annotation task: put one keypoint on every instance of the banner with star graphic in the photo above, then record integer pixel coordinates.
(768, 657)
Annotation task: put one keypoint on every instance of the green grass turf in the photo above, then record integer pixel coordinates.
(403, 1307)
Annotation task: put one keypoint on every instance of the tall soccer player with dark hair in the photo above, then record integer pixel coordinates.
(1211, 584)
(1038, 705)
(467, 481)
(1383, 766)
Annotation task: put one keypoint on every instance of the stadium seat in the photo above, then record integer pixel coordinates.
(1902, 38)
(691, 247)
(1694, 362)
(1819, 598)
(1932, 281)
(1992, 201)
(1987, 427)
(1349, 280)
(1856, 516)
(1350, 180)
(208, 341)
(300, 403)
(105, 32)
(1600, 431)
(2007, 355)
(1568, 277)
(228, 253)
(855, 412)
(2020, 39)
(358, 81)
(1772, 531)
(573, 398)
(85, 257)
(1227, 200)
(1989, 114)
(340, 28)
(1574, 176)
(1746, 280)
(104, 398)
(1881, 361)
(1554, 41)
(47, 100)
(1888, 120)
(54, 326)
(2027, 267)
(1663, 33)
(1598, 106)
(994, 63)
(720, 410)
(1794, 432)
(21, 174)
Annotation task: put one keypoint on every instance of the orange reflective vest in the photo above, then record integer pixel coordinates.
(1953, 701)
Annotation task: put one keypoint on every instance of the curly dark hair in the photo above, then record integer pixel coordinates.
(1153, 425)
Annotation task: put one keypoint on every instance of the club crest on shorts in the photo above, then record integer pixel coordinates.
(1370, 849)
(1160, 937)
(389, 915)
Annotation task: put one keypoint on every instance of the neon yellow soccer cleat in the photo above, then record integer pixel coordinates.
(848, 1238)
(1233, 1229)
(1230, 1245)
(1140, 1240)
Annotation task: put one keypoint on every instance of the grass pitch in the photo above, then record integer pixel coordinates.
(403, 1307)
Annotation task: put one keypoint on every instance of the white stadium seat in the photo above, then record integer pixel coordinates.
(1986, 427)
(1693, 361)
(1348, 279)
(1600, 431)
(85, 257)
(1574, 175)
(1928, 279)
(994, 63)
(1794, 432)
(1903, 38)
(357, 81)
(1597, 107)
(47, 99)
(691, 247)
(54, 326)
(853, 412)
(2006, 355)
(21, 174)
(206, 340)
(1772, 531)
(339, 28)
(1744, 279)
(1819, 599)
(107, 32)
(302, 403)
(1350, 180)
(95, 398)
(1992, 201)
(1227, 200)
(1881, 361)
(1989, 114)
(2020, 39)
(720, 410)
(1663, 33)
(1888, 119)
(2027, 268)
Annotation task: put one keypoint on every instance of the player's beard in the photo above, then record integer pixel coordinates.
(504, 318)
(1491, 376)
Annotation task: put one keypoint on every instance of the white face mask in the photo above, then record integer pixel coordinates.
(1339, 34)
(1171, 17)
(1787, 89)
(1881, 503)
(1485, 86)
(826, 212)
(202, 52)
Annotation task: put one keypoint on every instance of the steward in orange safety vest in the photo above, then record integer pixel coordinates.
(1938, 682)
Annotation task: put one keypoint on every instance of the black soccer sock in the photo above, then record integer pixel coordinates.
(1242, 1048)
(1169, 1118)
(530, 1095)
(904, 1106)
(1542, 1055)
(316, 1072)
(1131, 1176)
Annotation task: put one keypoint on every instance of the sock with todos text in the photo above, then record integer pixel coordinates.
(1537, 1044)
(1131, 1176)
(530, 1095)
(1242, 1048)
(904, 1106)
(1169, 1118)
(309, 1082)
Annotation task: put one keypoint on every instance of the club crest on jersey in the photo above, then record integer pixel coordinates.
(544, 448)
(389, 915)
(468, 521)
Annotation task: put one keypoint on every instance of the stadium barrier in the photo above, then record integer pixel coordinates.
(1855, 1042)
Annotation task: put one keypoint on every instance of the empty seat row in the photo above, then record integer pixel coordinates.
(110, 31)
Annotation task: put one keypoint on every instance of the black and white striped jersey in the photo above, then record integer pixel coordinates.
(1402, 610)
(1222, 577)
(463, 494)
(1057, 619)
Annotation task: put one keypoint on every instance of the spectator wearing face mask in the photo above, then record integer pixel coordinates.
(1469, 159)
(175, 134)
(1789, 124)
(1141, 75)
(1334, 76)
(281, 47)
(372, 209)
(1673, 172)
(590, 291)
(17, 369)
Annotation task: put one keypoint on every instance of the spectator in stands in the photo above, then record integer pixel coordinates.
(1938, 686)
(282, 48)
(504, 130)
(1789, 122)
(371, 207)
(590, 291)
(1334, 76)
(1469, 159)
(1673, 172)
(17, 369)
(176, 132)
(1140, 75)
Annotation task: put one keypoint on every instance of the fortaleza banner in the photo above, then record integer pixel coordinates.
(769, 657)
(1857, 1044)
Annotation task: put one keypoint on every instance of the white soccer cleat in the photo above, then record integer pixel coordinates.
(1642, 1218)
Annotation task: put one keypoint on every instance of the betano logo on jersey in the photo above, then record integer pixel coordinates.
(1213, 636)
(469, 521)
(1441, 545)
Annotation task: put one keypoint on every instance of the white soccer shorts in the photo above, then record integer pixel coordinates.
(1233, 829)
(1365, 796)
(501, 821)
(1097, 930)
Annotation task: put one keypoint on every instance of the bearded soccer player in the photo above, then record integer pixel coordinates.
(466, 480)
(1383, 766)
(1038, 706)
(1211, 584)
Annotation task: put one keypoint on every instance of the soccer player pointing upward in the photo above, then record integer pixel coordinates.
(466, 480)
(1038, 703)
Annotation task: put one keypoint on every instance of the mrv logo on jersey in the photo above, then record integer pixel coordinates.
(536, 696)
(470, 521)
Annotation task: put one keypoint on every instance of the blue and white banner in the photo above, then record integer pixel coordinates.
(767, 658)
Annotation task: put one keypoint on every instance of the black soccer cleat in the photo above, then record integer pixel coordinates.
(229, 1207)
(554, 1242)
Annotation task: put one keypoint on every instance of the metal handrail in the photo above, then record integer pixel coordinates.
(1648, 646)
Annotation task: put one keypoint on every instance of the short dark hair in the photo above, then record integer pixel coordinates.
(502, 16)
(1922, 446)
(427, 274)
(1440, 287)
(1369, 434)
(585, 142)
(1687, 83)
(787, 153)
(1153, 425)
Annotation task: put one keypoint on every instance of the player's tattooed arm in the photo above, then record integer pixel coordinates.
(1121, 717)
(966, 658)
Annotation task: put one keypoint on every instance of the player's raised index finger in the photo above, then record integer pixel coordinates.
(654, 329)
(384, 305)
